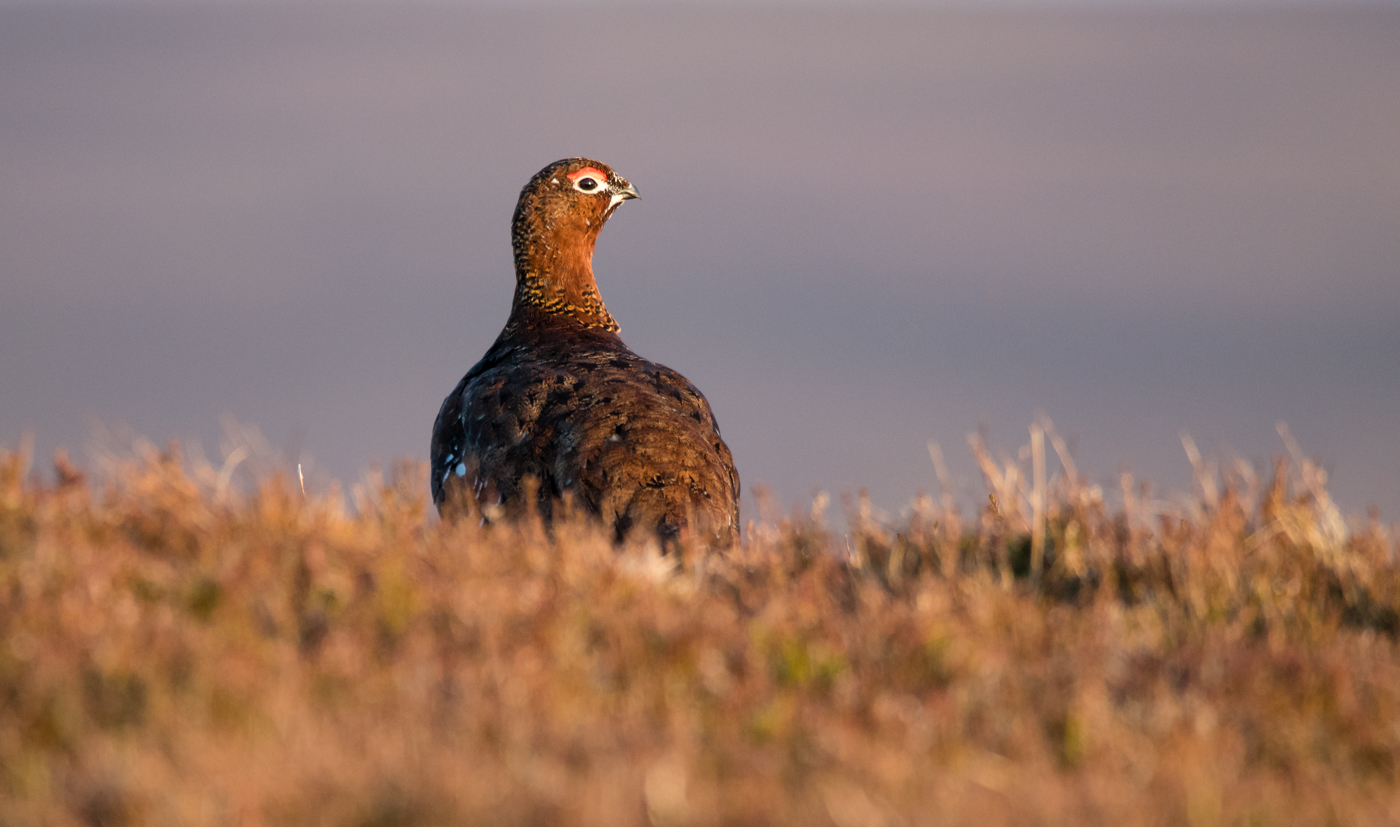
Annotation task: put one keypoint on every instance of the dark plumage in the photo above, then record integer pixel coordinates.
(560, 399)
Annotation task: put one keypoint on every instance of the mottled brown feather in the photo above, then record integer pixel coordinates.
(561, 400)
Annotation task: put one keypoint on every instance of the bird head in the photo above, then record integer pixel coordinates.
(567, 202)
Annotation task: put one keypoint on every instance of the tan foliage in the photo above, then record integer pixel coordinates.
(175, 650)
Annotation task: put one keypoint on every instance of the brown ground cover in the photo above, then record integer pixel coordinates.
(176, 650)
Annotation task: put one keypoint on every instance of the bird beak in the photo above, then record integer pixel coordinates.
(627, 193)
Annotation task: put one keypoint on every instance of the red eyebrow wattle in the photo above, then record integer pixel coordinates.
(594, 171)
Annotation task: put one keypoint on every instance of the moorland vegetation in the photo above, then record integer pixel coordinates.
(184, 645)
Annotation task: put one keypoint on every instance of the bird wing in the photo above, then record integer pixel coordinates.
(642, 448)
(635, 441)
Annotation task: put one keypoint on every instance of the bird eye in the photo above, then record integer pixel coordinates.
(589, 180)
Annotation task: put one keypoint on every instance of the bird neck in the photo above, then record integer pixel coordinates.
(554, 276)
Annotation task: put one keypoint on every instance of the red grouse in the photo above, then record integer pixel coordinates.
(561, 400)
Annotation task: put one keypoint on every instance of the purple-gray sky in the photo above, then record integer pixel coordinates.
(862, 228)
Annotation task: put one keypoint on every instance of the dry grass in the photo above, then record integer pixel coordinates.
(176, 651)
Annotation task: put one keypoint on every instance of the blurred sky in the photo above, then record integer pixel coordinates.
(863, 227)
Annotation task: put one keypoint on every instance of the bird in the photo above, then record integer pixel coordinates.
(560, 406)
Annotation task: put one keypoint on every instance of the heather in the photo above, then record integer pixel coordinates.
(187, 644)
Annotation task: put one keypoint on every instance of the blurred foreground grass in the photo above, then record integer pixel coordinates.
(177, 651)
